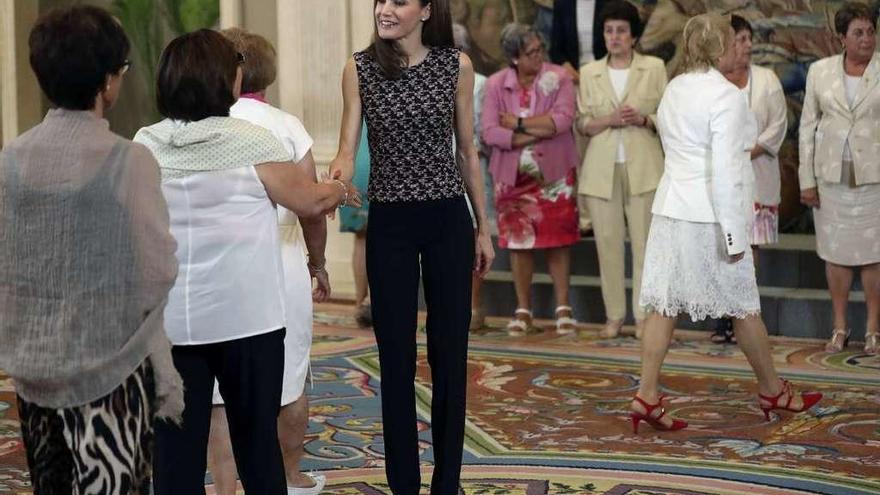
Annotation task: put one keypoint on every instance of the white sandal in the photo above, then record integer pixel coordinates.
(565, 325)
(518, 327)
(839, 339)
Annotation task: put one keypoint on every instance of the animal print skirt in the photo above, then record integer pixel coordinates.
(103, 447)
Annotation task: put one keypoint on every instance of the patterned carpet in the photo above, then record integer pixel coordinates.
(547, 415)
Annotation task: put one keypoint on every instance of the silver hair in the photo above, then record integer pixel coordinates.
(461, 37)
(514, 37)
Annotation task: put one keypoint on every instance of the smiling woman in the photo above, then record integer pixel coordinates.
(418, 216)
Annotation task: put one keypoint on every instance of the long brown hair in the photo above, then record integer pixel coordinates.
(436, 31)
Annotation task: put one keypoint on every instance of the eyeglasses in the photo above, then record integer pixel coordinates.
(534, 52)
(240, 58)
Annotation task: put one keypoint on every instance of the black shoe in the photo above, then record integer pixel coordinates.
(723, 332)
(363, 315)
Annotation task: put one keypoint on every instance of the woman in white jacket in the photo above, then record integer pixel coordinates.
(698, 259)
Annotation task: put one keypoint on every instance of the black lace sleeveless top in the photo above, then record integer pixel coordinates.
(409, 128)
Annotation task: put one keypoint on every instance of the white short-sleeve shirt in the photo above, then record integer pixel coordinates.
(286, 127)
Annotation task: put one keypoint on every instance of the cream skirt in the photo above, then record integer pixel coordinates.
(848, 224)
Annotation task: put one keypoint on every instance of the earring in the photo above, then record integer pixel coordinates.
(424, 19)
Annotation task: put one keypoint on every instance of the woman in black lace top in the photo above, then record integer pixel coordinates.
(415, 92)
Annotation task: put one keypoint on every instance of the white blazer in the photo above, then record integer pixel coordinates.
(707, 130)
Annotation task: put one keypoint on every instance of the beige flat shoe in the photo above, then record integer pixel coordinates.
(872, 343)
(611, 329)
(640, 329)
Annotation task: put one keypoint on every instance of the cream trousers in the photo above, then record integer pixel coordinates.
(611, 219)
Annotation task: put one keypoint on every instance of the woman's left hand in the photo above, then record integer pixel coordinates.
(631, 116)
(484, 255)
(321, 292)
(508, 120)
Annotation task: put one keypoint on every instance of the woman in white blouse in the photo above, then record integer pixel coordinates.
(766, 101)
(226, 312)
(258, 72)
(697, 260)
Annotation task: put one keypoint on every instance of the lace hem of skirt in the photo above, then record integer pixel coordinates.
(696, 311)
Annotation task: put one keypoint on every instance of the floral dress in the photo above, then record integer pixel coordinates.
(533, 214)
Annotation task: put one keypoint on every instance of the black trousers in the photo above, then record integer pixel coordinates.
(249, 372)
(437, 236)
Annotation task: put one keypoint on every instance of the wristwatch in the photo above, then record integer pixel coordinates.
(520, 128)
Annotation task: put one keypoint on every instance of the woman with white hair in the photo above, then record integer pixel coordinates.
(697, 260)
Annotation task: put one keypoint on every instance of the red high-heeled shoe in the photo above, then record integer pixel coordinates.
(654, 421)
(809, 400)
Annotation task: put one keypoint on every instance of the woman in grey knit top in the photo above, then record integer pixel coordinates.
(86, 261)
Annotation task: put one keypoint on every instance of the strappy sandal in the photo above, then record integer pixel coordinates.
(520, 324)
(611, 329)
(654, 419)
(565, 324)
(772, 403)
(839, 339)
(872, 343)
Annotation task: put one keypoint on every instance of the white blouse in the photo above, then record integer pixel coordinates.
(230, 283)
(851, 87)
(618, 82)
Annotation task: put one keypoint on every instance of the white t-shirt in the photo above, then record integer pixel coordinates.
(851, 83)
(287, 128)
(585, 13)
(618, 82)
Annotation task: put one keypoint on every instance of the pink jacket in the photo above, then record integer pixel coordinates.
(556, 155)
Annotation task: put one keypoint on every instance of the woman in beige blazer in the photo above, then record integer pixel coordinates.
(839, 167)
(617, 103)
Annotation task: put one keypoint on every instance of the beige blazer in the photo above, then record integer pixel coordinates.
(644, 155)
(827, 121)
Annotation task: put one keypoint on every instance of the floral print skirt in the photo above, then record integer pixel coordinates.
(765, 225)
(533, 214)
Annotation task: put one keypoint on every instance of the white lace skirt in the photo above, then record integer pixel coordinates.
(687, 270)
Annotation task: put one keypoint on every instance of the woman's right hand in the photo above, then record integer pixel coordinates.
(810, 197)
(339, 170)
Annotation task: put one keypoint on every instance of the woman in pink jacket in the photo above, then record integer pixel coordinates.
(526, 121)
